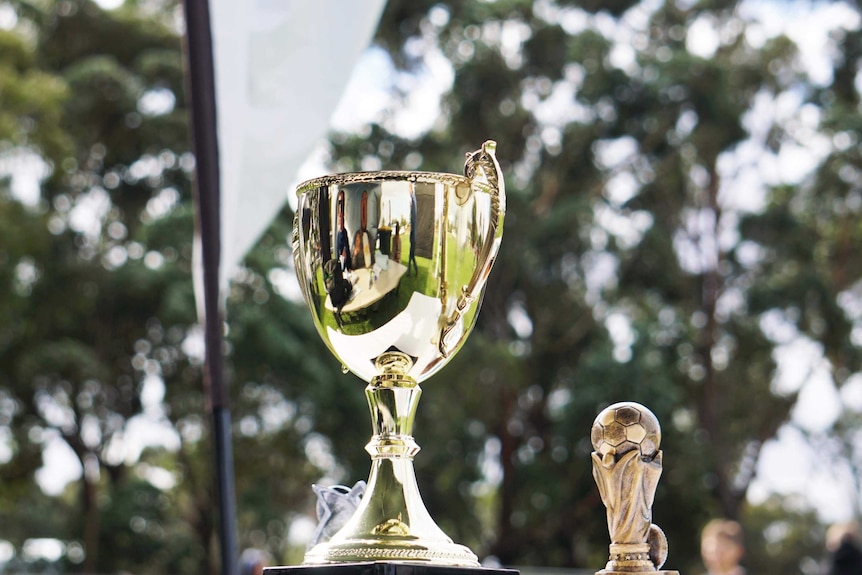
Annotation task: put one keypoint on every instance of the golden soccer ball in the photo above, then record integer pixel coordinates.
(624, 427)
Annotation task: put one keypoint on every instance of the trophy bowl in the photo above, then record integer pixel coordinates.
(393, 266)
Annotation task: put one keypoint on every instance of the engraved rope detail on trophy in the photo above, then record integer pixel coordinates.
(627, 464)
(392, 553)
(443, 294)
(383, 176)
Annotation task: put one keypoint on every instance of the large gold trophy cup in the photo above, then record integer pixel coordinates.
(393, 266)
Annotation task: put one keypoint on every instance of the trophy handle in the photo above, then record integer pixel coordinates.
(485, 175)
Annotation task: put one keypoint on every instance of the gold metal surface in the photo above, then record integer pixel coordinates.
(393, 266)
(627, 464)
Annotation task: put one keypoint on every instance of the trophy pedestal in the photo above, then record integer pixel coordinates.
(391, 522)
(385, 568)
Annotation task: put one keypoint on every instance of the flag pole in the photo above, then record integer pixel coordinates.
(201, 89)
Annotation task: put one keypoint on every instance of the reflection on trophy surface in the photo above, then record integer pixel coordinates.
(393, 266)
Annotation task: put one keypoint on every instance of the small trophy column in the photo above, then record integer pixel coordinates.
(627, 466)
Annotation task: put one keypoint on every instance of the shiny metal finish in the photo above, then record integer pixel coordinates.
(398, 260)
(393, 266)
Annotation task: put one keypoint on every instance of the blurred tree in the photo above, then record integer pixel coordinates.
(89, 286)
(784, 536)
(646, 257)
(99, 345)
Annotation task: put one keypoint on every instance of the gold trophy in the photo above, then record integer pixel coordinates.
(393, 266)
(627, 464)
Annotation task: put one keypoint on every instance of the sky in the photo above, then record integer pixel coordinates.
(789, 465)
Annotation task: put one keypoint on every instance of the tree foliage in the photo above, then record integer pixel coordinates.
(650, 254)
(647, 267)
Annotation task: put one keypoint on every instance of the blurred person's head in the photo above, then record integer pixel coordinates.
(843, 544)
(840, 534)
(252, 562)
(721, 545)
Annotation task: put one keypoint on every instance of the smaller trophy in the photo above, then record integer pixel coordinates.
(627, 466)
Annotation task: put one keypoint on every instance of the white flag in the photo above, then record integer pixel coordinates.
(280, 69)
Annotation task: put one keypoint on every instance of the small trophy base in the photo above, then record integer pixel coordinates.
(639, 558)
(385, 568)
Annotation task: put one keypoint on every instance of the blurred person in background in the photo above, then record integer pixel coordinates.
(252, 562)
(722, 547)
(845, 551)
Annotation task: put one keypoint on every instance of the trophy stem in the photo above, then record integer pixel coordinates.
(391, 523)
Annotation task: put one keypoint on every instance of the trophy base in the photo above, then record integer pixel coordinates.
(639, 558)
(440, 553)
(385, 568)
(391, 522)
